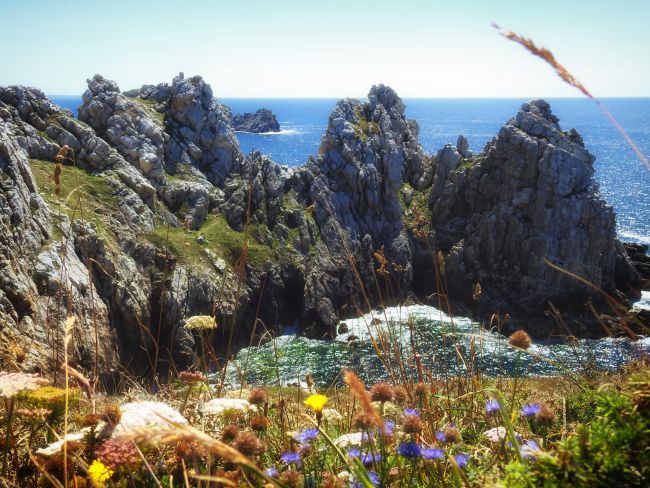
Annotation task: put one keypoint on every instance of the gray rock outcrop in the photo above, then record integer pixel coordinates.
(527, 202)
(263, 120)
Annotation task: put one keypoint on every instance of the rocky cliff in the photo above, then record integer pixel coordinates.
(259, 122)
(158, 216)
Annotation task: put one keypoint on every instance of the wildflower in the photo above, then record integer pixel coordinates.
(352, 439)
(401, 395)
(382, 392)
(431, 453)
(492, 407)
(331, 414)
(366, 459)
(98, 472)
(412, 425)
(13, 383)
(362, 421)
(520, 339)
(452, 434)
(229, 433)
(421, 391)
(461, 460)
(257, 397)
(413, 412)
(306, 436)
(248, 444)
(115, 453)
(272, 472)
(389, 428)
(496, 434)
(409, 450)
(545, 416)
(316, 403)
(226, 407)
(112, 414)
(146, 413)
(331, 481)
(531, 410)
(33, 415)
(259, 423)
(291, 458)
(191, 377)
(440, 437)
(530, 450)
(201, 322)
(374, 479)
(292, 478)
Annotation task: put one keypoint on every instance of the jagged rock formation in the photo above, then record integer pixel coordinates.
(163, 218)
(259, 122)
(528, 200)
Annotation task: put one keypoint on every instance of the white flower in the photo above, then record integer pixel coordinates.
(497, 434)
(347, 440)
(227, 406)
(331, 415)
(56, 447)
(200, 322)
(145, 413)
(13, 383)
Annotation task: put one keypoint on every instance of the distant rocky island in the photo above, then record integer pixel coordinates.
(259, 122)
(158, 216)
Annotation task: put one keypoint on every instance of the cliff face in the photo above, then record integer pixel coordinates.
(529, 199)
(150, 222)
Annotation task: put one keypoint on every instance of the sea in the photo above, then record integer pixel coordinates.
(623, 182)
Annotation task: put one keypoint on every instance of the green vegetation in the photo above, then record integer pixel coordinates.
(81, 196)
(220, 238)
(364, 127)
(149, 106)
(419, 200)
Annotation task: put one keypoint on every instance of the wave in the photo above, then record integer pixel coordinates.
(634, 237)
(283, 132)
(644, 301)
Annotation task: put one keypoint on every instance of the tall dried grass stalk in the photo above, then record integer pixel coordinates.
(359, 391)
(568, 78)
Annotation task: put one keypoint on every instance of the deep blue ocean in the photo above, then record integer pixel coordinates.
(624, 181)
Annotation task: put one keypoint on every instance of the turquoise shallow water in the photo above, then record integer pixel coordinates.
(446, 347)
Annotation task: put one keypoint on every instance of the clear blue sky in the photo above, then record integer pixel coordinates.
(334, 48)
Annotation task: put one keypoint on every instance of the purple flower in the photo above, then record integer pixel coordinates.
(461, 460)
(291, 458)
(430, 453)
(272, 472)
(366, 459)
(530, 450)
(414, 412)
(531, 410)
(374, 479)
(306, 436)
(441, 437)
(492, 407)
(409, 450)
(389, 427)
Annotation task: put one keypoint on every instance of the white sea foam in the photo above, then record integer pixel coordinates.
(283, 132)
(634, 237)
(644, 301)
(377, 320)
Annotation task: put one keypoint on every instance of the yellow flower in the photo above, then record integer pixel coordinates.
(98, 472)
(316, 402)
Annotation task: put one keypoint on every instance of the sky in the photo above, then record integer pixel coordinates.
(334, 48)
